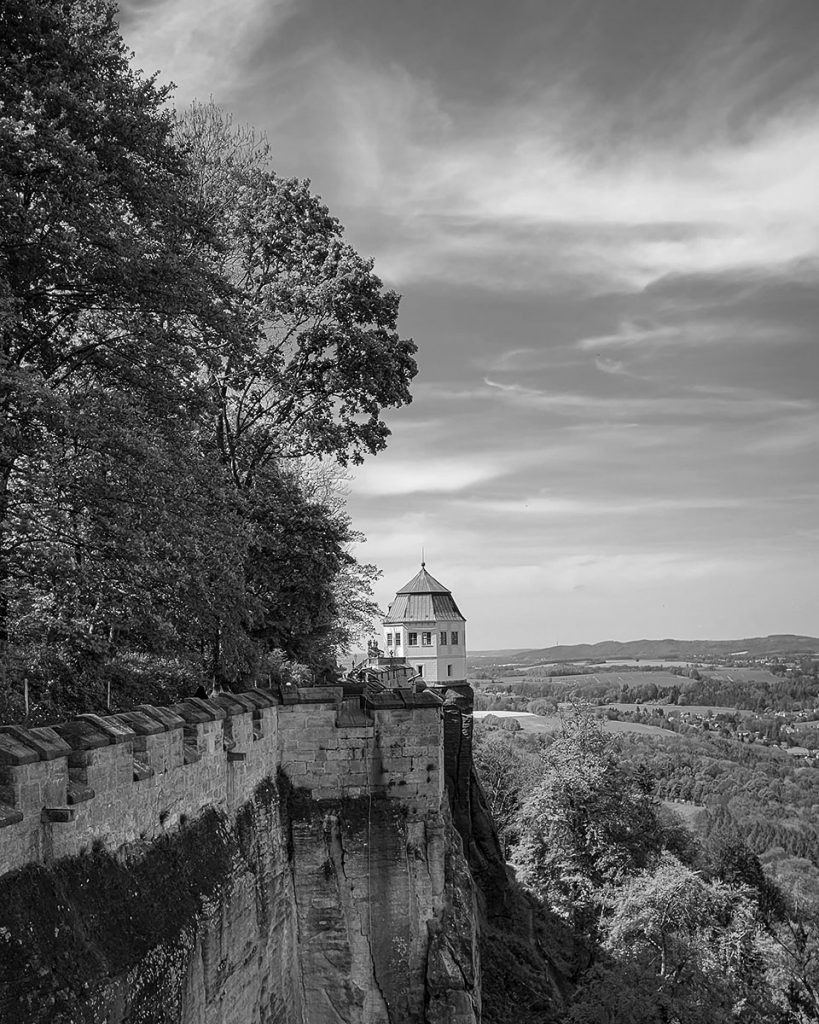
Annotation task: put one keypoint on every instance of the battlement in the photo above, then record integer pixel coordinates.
(123, 778)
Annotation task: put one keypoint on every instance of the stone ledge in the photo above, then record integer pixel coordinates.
(262, 698)
(320, 694)
(57, 814)
(46, 742)
(140, 723)
(14, 752)
(82, 734)
(207, 707)
(79, 792)
(110, 726)
(9, 815)
(164, 716)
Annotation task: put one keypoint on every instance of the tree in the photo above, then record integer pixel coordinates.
(507, 773)
(179, 329)
(587, 826)
(678, 949)
(325, 359)
(100, 246)
(793, 938)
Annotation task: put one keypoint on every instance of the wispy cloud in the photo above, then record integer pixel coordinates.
(422, 474)
(202, 45)
(610, 260)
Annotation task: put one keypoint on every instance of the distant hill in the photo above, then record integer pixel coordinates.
(673, 650)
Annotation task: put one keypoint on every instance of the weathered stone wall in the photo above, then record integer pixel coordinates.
(354, 905)
(125, 778)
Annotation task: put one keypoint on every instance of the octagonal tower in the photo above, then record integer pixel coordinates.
(424, 627)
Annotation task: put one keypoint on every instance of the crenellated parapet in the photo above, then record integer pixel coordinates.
(126, 778)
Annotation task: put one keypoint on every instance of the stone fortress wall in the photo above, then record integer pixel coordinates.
(129, 777)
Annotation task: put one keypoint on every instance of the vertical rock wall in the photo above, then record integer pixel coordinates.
(386, 915)
(159, 871)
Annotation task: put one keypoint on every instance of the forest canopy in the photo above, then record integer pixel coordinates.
(190, 353)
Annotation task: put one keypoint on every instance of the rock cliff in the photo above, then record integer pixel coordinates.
(259, 862)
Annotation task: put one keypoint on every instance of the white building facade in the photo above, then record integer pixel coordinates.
(424, 627)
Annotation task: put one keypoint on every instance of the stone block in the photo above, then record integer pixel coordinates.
(58, 814)
(83, 734)
(354, 779)
(9, 816)
(167, 718)
(340, 754)
(116, 731)
(142, 769)
(78, 793)
(191, 714)
(232, 703)
(262, 698)
(47, 743)
(141, 725)
(320, 694)
(212, 711)
(382, 701)
(14, 751)
(52, 779)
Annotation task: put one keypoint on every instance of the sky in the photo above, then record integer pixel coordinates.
(603, 218)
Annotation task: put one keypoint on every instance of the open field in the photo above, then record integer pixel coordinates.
(677, 709)
(554, 723)
(607, 679)
(741, 675)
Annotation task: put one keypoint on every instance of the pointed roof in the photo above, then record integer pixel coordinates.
(423, 599)
(423, 583)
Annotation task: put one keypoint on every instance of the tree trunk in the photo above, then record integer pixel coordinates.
(6, 468)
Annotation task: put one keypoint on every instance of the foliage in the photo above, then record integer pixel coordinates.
(507, 773)
(326, 357)
(186, 343)
(677, 927)
(589, 824)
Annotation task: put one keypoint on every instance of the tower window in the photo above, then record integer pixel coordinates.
(397, 639)
(449, 670)
(389, 639)
(443, 636)
(426, 639)
(413, 640)
(420, 670)
(454, 638)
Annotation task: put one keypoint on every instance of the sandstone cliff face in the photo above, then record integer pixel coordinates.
(295, 912)
(255, 859)
(386, 915)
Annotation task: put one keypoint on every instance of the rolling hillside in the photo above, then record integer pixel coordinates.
(673, 650)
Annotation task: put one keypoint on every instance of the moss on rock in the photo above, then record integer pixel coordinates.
(76, 933)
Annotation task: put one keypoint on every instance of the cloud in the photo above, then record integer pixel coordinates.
(630, 335)
(519, 193)
(611, 366)
(422, 474)
(611, 257)
(524, 207)
(722, 403)
(202, 45)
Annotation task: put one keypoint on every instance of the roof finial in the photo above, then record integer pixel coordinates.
(423, 563)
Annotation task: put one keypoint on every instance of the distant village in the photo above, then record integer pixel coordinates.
(770, 701)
